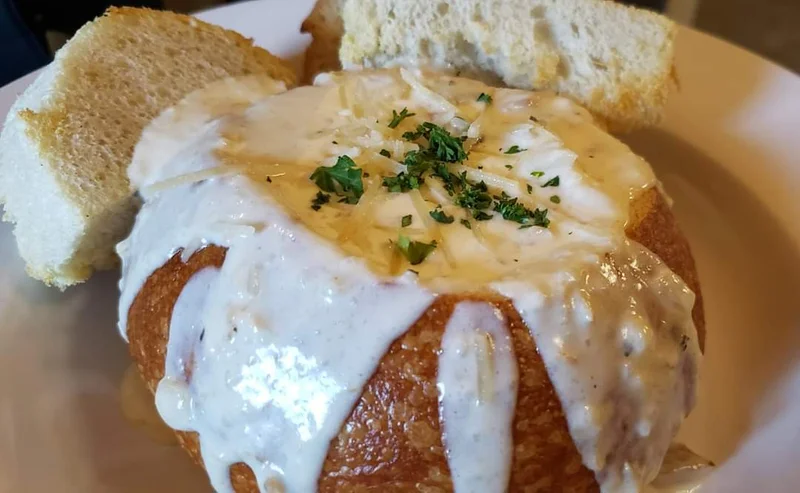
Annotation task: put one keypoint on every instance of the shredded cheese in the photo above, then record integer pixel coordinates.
(436, 103)
(430, 223)
(485, 354)
(395, 258)
(361, 214)
(438, 192)
(511, 187)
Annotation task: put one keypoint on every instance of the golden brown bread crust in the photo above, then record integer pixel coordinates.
(392, 439)
(324, 23)
(654, 226)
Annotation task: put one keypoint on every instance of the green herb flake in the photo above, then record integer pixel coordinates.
(343, 179)
(552, 182)
(511, 209)
(402, 182)
(555, 199)
(484, 98)
(442, 145)
(385, 153)
(319, 200)
(414, 251)
(481, 216)
(473, 196)
(515, 149)
(540, 218)
(399, 117)
(529, 187)
(537, 174)
(406, 221)
(441, 216)
(508, 166)
(417, 162)
(466, 223)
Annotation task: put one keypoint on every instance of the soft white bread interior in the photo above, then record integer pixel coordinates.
(68, 140)
(615, 60)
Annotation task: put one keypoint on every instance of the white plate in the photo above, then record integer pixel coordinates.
(729, 154)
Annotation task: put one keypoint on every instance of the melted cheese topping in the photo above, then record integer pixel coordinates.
(284, 336)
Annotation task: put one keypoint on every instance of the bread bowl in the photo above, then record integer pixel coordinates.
(301, 329)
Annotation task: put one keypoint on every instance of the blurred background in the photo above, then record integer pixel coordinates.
(31, 30)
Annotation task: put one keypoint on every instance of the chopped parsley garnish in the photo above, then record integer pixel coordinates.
(473, 196)
(540, 218)
(385, 153)
(442, 145)
(441, 216)
(343, 179)
(399, 117)
(269, 179)
(334, 142)
(511, 209)
(534, 119)
(406, 221)
(437, 150)
(402, 182)
(484, 98)
(552, 182)
(449, 179)
(417, 162)
(319, 200)
(443, 148)
(414, 251)
(555, 199)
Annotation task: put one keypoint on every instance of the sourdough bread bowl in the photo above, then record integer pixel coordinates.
(396, 278)
(408, 281)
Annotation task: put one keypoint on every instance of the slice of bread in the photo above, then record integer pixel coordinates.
(69, 138)
(615, 60)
